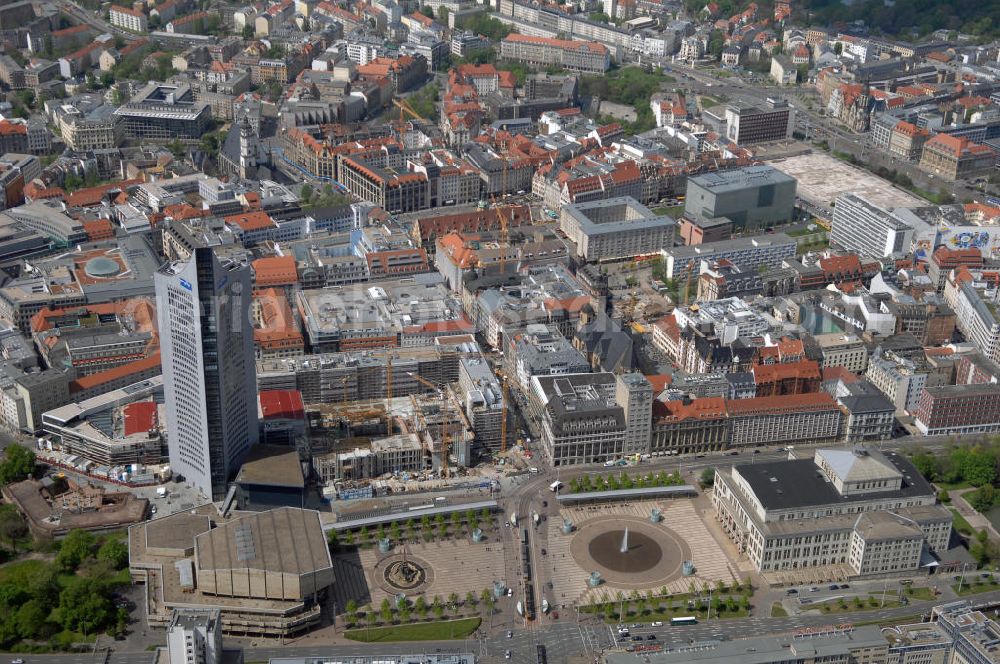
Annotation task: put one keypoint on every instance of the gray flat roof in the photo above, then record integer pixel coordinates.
(348, 524)
(796, 483)
(375, 658)
(740, 178)
(709, 249)
(644, 492)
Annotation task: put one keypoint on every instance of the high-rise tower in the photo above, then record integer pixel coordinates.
(209, 374)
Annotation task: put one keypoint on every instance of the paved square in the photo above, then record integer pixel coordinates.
(680, 521)
(822, 178)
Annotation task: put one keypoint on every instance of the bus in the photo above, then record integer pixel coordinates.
(684, 620)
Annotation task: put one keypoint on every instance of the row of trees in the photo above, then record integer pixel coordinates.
(734, 598)
(70, 596)
(413, 530)
(404, 611)
(624, 481)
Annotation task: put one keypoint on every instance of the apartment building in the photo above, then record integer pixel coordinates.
(128, 18)
(855, 512)
(582, 56)
(906, 140)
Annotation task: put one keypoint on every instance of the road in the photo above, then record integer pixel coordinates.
(93, 20)
(564, 640)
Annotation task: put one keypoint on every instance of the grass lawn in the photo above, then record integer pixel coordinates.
(960, 524)
(19, 569)
(674, 211)
(778, 611)
(919, 593)
(870, 603)
(708, 102)
(972, 587)
(431, 631)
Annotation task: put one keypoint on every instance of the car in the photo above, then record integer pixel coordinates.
(510, 634)
(506, 655)
(651, 637)
(733, 453)
(658, 623)
(545, 503)
(637, 638)
(544, 552)
(756, 451)
(510, 592)
(834, 586)
(781, 449)
(636, 624)
(17, 661)
(152, 510)
(845, 586)
(791, 591)
(814, 589)
(700, 456)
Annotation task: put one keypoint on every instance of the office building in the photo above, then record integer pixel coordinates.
(749, 125)
(616, 228)
(582, 56)
(542, 351)
(195, 637)
(956, 158)
(164, 112)
(974, 635)
(862, 227)
(843, 350)
(975, 316)
(581, 420)
(86, 122)
(950, 410)
(767, 250)
(483, 402)
(750, 197)
(203, 307)
(634, 393)
(854, 512)
(842, 644)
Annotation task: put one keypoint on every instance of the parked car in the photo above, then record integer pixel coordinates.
(791, 591)
(658, 623)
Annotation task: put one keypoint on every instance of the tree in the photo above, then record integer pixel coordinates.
(395, 531)
(438, 607)
(386, 610)
(927, 465)
(306, 193)
(707, 477)
(31, 619)
(453, 600)
(456, 520)
(427, 11)
(351, 609)
(84, 605)
(114, 552)
(421, 606)
(75, 548)
(442, 15)
(470, 599)
(18, 464)
(716, 44)
(248, 32)
(12, 526)
(838, 48)
(983, 499)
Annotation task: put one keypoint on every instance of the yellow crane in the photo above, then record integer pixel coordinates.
(504, 239)
(445, 425)
(405, 109)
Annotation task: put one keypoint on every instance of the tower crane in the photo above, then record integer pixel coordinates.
(445, 428)
(504, 235)
(405, 109)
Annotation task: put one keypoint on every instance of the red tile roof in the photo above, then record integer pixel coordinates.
(140, 417)
(282, 404)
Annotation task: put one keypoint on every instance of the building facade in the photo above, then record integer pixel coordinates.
(210, 386)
